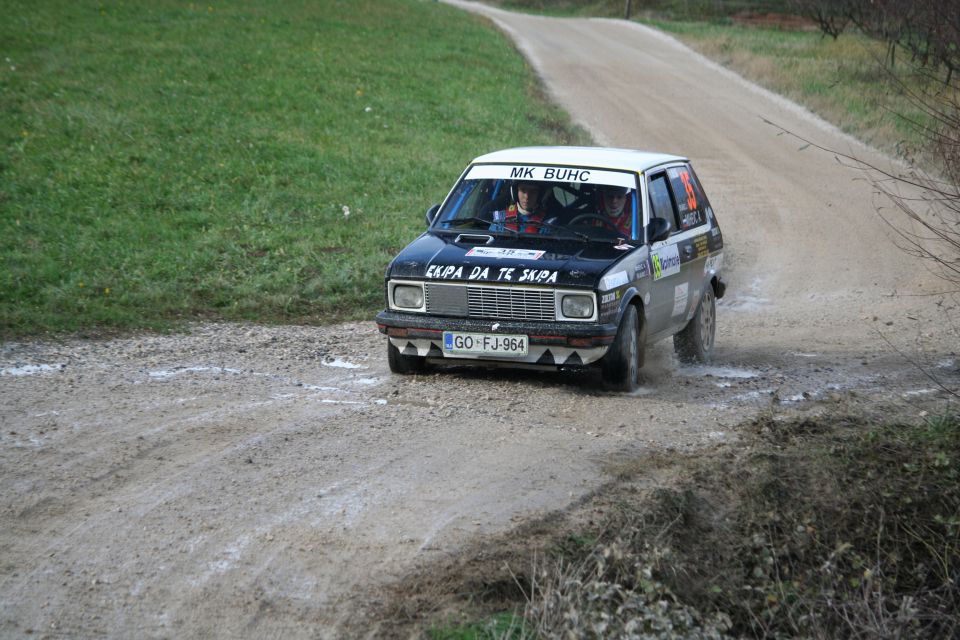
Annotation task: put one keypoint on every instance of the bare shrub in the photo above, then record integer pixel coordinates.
(928, 30)
(831, 16)
(615, 592)
(922, 205)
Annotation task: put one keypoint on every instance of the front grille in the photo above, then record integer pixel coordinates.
(506, 303)
(446, 299)
(513, 304)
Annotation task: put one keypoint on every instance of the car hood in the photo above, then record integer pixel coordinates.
(509, 260)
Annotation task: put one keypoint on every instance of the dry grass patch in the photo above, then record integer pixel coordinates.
(844, 81)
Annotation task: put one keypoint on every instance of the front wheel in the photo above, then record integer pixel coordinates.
(621, 365)
(694, 343)
(404, 364)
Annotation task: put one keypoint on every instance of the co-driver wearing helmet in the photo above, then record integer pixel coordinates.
(525, 214)
(613, 204)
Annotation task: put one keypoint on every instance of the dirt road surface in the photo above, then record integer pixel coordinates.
(247, 481)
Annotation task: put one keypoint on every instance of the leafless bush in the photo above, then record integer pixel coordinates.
(928, 203)
(615, 592)
(928, 30)
(830, 15)
(922, 206)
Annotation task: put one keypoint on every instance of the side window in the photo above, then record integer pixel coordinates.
(691, 205)
(661, 203)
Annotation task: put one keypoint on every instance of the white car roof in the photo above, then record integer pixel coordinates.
(599, 157)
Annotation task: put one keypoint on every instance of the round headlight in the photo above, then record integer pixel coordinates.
(408, 296)
(577, 306)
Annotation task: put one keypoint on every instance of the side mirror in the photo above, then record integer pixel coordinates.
(432, 214)
(658, 229)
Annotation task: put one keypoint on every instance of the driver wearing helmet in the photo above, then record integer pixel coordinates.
(613, 204)
(525, 215)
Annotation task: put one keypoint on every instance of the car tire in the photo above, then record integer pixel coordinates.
(403, 364)
(694, 343)
(621, 366)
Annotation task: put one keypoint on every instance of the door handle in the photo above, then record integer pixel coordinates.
(688, 251)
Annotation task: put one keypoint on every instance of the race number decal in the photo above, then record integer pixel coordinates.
(691, 195)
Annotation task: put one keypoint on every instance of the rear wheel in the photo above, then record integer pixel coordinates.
(694, 343)
(403, 364)
(621, 365)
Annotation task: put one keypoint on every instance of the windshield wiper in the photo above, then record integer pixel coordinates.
(500, 227)
(485, 223)
(456, 226)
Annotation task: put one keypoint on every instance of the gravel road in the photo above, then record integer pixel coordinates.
(249, 481)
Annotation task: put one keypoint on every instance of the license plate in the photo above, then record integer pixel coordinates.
(484, 344)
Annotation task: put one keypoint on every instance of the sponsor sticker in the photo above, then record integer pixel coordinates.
(614, 280)
(693, 307)
(700, 243)
(552, 174)
(501, 252)
(666, 261)
(713, 264)
(681, 295)
(691, 219)
(497, 274)
(642, 270)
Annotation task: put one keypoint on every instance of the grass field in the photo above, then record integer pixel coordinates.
(263, 161)
(236, 160)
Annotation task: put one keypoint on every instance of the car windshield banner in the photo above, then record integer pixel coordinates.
(538, 173)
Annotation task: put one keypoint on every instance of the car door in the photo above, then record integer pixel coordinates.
(691, 241)
(666, 274)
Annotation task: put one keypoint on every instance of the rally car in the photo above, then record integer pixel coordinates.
(559, 258)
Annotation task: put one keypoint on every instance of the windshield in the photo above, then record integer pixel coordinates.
(578, 202)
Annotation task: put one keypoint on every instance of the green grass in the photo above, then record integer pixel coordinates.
(501, 626)
(171, 160)
(168, 160)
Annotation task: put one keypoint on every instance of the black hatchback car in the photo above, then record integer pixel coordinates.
(559, 257)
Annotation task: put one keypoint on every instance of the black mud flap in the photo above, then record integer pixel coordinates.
(720, 289)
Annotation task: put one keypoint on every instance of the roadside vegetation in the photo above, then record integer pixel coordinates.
(846, 80)
(837, 527)
(245, 160)
(665, 9)
(841, 80)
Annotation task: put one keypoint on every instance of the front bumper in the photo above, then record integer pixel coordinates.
(551, 344)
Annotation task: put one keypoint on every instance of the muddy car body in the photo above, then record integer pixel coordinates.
(573, 280)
